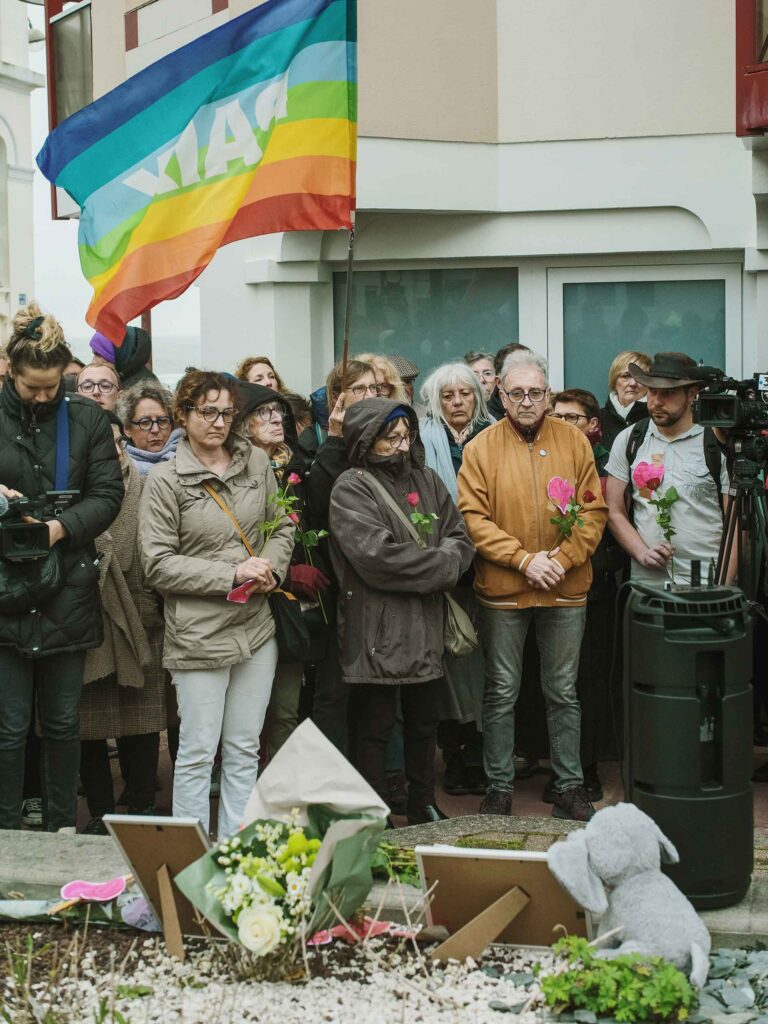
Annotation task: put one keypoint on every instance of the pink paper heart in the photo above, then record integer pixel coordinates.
(560, 492)
(93, 892)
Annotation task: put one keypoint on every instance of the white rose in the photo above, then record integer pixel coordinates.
(260, 929)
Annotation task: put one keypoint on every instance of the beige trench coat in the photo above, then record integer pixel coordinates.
(190, 547)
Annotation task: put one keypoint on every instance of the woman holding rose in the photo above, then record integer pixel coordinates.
(391, 605)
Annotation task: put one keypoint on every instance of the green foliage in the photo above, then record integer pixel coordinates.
(395, 862)
(627, 988)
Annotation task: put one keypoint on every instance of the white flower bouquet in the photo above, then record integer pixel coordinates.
(301, 861)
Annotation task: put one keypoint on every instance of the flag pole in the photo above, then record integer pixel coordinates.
(348, 303)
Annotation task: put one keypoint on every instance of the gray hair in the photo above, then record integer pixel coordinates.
(447, 376)
(474, 357)
(129, 399)
(521, 358)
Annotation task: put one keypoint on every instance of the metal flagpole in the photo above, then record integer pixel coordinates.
(348, 303)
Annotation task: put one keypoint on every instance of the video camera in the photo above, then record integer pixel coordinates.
(26, 542)
(730, 404)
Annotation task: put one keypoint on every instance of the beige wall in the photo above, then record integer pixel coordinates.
(590, 69)
(427, 69)
(512, 70)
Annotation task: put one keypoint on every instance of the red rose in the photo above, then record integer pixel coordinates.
(588, 498)
(653, 483)
(412, 499)
(293, 516)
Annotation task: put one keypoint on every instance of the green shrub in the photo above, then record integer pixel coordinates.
(629, 987)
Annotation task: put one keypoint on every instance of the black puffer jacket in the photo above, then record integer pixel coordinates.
(71, 620)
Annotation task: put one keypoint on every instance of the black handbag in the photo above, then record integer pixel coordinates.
(291, 633)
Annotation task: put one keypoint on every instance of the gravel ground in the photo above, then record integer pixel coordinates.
(111, 978)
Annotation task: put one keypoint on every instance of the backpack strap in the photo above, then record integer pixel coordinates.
(635, 439)
(61, 475)
(390, 502)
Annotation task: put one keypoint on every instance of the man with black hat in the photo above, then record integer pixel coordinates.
(667, 451)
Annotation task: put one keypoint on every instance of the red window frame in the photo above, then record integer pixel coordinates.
(751, 75)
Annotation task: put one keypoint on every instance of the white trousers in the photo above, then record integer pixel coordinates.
(228, 704)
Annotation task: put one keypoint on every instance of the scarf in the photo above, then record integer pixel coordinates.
(438, 454)
(144, 461)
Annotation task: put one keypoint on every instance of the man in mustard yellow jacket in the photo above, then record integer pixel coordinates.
(515, 478)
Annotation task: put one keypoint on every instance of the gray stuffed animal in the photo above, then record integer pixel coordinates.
(620, 850)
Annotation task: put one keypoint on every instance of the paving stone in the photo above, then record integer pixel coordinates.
(478, 825)
(37, 864)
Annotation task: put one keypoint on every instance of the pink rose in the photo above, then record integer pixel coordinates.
(293, 516)
(560, 492)
(294, 479)
(647, 475)
(412, 499)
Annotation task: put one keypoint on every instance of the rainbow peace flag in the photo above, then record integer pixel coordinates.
(249, 129)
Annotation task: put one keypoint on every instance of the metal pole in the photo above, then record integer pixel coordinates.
(348, 304)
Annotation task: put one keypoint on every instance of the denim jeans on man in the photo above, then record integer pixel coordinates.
(558, 633)
(57, 680)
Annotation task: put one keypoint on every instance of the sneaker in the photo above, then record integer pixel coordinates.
(497, 802)
(573, 805)
(476, 779)
(455, 783)
(592, 785)
(95, 827)
(396, 792)
(32, 812)
(525, 766)
(67, 830)
(215, 780)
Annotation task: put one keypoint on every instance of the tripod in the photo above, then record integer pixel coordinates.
(746, 519)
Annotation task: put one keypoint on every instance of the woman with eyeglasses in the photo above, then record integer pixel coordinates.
(388, 381)
(625, 404)
(391, 605)
(265, 418)
(344, 390)
(124, 692)
(146, 411)
(50, 442)
(197, 511)
(101, 384)
(481, 364)
(456, 413)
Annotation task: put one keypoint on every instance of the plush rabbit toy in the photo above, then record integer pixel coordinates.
(620, 851)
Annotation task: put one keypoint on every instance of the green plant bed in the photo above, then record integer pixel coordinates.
(627, 988)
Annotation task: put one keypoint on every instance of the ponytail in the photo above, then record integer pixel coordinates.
(37, 341)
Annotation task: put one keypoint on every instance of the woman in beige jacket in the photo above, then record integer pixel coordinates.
(222, 655)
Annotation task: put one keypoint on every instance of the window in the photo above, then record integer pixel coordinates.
(597, 312)
(70, 37)
(751, 66)
(429, 316)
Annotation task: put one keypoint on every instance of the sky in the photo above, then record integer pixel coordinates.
(59, 282)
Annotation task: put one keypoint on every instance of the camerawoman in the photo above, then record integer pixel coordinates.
(60, 487)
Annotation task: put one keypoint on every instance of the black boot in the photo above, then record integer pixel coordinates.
(455, 780)
(423, 815)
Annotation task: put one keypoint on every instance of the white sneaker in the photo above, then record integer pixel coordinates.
(32, 812)
(68, 830)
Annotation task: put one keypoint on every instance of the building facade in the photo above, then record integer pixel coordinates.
(16, 162)
(567, 175)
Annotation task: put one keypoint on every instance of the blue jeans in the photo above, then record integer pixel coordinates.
(57, 680)
(558, 633)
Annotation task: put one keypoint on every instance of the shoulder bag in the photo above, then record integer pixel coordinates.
(293, 639)
(459, 635)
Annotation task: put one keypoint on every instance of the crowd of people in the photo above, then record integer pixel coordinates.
(183, 529)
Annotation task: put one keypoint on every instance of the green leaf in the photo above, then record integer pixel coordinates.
(134, 991)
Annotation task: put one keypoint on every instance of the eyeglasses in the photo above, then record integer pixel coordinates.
(104, 387)
(395, 441)
(361, 390)
(384, 390)
(570, 417)
(210, 413)
(266, 412)
(146, 423)
(517, 395)
(485, 374)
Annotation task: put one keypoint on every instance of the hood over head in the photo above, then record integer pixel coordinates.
(254, 395)
(363, 422)
(134, 353)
